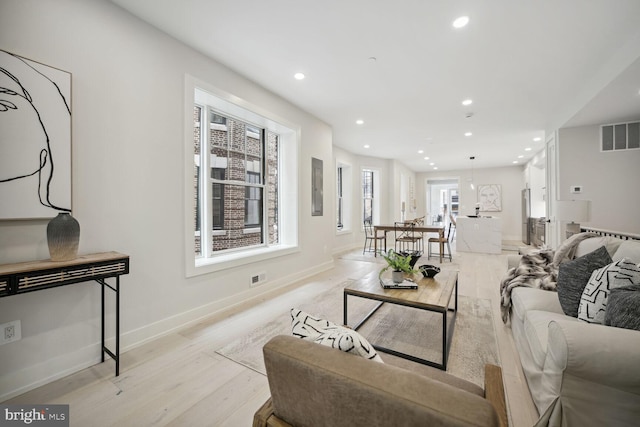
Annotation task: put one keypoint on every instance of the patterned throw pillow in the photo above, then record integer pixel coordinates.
(324, 332)
(574, 275)
(593, 302)
(623, 308)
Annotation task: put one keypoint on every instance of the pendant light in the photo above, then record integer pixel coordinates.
(472, 185)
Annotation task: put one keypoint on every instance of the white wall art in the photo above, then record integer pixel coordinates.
(35, 139)
(490, 197)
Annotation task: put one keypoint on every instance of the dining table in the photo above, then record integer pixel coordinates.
(409, 227)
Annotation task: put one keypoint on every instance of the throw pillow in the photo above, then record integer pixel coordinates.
(574, 275)
(304, 325)
(629, 249)
(623, 308)
(327, 333)
(593, 302)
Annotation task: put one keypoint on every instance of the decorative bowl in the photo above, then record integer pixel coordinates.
(429, 270)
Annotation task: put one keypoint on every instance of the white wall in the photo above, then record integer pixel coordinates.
(609, 179)
(354, 237)
(512, 182)
(127, 89)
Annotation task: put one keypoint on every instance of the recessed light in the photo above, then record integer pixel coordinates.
(536, 139)
(514, 162)
(435, 168)
(527, 149)
(461, 22)
(520, 156)
(432, 164)
(420, 151)
(468, 134)
(426, 158)
(359, 121)
(366, 146)
(298, 76)
(467, 102)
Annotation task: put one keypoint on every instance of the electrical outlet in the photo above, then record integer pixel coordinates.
(10, 331)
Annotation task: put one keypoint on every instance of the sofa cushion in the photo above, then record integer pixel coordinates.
(590, 245)
(594, 297)
(623, 308)
(524, 299)
(629, 249)
(327, 333)
(536, 329)
(574, 275)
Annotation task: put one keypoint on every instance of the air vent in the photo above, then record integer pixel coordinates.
(258, 279)
(620, 136)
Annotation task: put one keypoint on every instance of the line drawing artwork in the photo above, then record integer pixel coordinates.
(35, 139)
(490, 197)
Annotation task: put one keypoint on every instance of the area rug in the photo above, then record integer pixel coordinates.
(404, 329)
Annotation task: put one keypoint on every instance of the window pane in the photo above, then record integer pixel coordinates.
(197, 113)
(367, 191)
(273, 141)
(236, 210)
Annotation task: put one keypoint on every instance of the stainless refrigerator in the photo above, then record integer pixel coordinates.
(526, 214)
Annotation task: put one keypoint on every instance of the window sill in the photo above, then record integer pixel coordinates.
(237, 259)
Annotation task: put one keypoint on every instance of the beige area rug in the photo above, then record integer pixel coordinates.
(404, 329)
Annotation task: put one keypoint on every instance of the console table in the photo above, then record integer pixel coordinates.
(32, 276)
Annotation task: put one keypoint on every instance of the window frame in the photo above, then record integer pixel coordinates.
(196, 91)
(375, 196)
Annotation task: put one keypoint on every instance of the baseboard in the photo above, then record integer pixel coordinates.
(24, 380)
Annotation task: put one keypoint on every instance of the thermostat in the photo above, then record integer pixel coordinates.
(576, 189)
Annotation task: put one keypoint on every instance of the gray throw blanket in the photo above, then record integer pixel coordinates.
(538, 270)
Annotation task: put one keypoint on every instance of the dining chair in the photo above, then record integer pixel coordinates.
(440, 240)
(370, 236)
(406, 238)
(452, 221)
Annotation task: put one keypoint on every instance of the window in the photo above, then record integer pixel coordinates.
(238, 189)
(340, 202)
(367, 195)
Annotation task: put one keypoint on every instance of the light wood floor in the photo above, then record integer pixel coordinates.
(179, 380)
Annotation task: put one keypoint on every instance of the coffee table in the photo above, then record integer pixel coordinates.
(433, 294)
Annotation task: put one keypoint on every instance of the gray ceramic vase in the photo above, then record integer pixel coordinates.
(63, 236)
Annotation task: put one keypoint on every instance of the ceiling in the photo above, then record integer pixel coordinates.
(529, 67)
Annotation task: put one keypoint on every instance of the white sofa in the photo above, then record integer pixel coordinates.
(579, 374)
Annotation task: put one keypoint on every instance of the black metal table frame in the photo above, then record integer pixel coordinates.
(97, 271)
(447, 331)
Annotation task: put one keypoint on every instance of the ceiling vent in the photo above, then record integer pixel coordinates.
(620, 136)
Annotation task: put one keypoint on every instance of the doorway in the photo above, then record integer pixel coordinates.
(443, 200)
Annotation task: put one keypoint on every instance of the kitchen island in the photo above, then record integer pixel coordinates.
(481, 234)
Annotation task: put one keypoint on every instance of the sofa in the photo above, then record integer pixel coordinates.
(578, 373)
(316, 385)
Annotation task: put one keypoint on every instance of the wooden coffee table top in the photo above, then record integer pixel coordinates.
(432, 294)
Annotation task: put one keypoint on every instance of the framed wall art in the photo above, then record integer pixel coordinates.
(35, 139)
(490, 197)
(316, 187)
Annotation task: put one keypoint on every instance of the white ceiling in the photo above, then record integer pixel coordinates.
(529, 66)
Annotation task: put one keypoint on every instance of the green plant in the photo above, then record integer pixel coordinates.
(397, 262)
